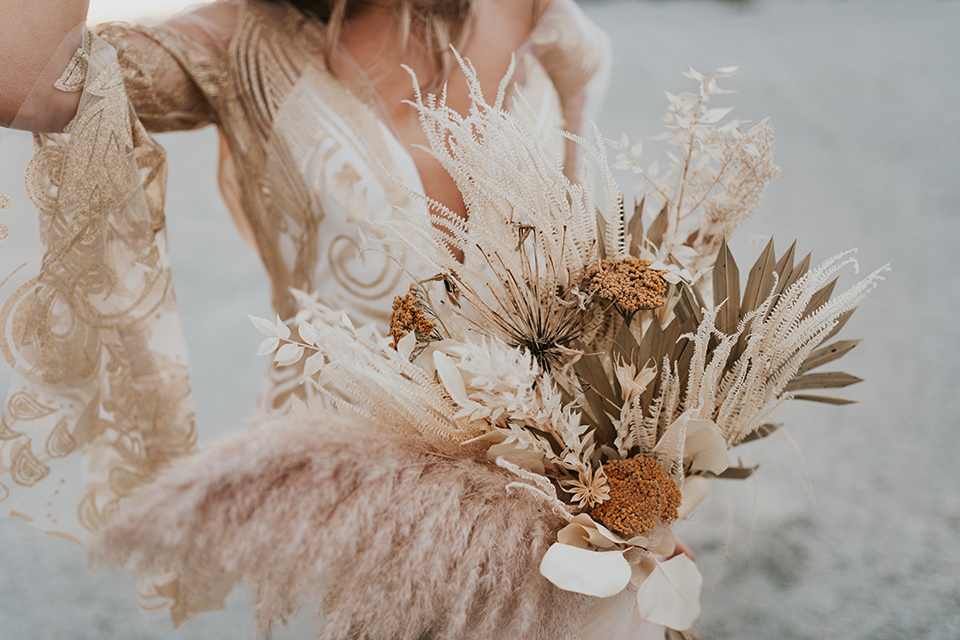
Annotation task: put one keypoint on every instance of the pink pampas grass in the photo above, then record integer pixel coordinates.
(392, 537)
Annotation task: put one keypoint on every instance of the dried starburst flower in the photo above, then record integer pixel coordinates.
(629, 283)
(641, 497)
(590, 489)
(408, 315)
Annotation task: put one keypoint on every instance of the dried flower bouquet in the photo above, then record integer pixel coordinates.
(599, 366)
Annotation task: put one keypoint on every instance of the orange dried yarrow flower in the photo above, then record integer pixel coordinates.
(407, 316)
(629, 283)
(641, 497)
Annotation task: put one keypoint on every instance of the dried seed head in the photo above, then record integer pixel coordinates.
(629, 283)
(407, 316)
(641, 497)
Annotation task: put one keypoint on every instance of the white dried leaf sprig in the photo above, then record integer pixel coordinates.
(714, 176)
(355, 370)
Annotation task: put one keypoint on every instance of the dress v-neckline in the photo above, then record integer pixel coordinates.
(361, 86)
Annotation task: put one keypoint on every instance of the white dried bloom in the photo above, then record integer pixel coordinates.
(498, 380)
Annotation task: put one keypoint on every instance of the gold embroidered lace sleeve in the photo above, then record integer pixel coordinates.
(100, 399)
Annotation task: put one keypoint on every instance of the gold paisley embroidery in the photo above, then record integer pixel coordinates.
(74, 76)
(102, 371)
(13, 318)
(4, 229)
(4, 205)
(130, 447)
(343, 182)
(42, 180)
(60, 442)
(6, 432)
(25, 468)
(359, 122)
(123, 481)
(358, 272)
(21, 406)
(89, 515)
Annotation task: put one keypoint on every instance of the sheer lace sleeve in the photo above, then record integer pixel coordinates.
(175, 72)
(576, 54)
(100, 399)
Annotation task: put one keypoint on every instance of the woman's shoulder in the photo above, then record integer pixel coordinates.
(559, 18)
(569, 43)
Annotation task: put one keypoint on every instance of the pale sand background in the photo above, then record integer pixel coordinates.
(864, 96)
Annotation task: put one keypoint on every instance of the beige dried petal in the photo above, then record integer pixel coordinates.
(633, 384)
(407, 344)
(594, 573)
(451, 379)
(705, 448)
(670, 593)
(695, 490)
(574, 535)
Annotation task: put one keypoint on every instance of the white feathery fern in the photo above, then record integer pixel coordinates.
(741, 397)
(531, 232)
(356, 371)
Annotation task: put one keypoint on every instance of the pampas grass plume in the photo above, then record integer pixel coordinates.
(391, 537)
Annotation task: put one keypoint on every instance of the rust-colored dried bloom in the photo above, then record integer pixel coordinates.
(641, 497)
(408, 316)
(629, 283)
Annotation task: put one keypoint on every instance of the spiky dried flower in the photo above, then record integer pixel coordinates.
(408, 315)
(590, 489)
(628, 283)
(641, 497)
(517, 266)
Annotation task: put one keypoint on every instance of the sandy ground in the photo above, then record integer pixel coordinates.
(864, 96)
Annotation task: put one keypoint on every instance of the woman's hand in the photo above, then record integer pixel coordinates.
(37, 41)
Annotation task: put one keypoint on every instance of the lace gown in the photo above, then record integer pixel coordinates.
(101, 394)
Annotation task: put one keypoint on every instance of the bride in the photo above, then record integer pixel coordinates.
(315, 138)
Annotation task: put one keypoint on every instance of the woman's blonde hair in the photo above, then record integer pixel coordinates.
(437, 23)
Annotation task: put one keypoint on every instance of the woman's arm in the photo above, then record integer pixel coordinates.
(37, 41)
